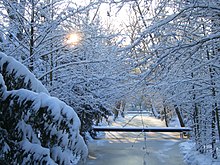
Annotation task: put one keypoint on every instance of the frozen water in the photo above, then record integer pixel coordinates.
(131, 148)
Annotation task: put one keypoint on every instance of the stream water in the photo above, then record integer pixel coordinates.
(126, 148)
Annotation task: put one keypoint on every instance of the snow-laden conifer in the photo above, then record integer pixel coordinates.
(17, 76)
(36, 128)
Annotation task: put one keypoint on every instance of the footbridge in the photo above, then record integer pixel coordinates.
(182, 130)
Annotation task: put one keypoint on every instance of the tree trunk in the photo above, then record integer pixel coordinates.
(31, 62)
(197, 129)
(217, 120)
(214, 152)
(165, 116)
(179, 116)
(154, 111)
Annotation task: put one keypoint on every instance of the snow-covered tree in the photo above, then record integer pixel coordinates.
(16, 76)
(34, 31)
(181, 62)
(92, 81)
(87, 75)
(35, 128)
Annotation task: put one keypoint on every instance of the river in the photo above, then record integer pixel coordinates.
(126, 148)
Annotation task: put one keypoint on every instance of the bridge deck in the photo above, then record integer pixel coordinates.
(141, 129)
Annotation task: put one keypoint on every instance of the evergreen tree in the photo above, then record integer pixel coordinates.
(35, 128)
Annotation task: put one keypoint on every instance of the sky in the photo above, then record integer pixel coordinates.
(110, 14)
(114, 16)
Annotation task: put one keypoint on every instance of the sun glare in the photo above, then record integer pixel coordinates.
(73, 39)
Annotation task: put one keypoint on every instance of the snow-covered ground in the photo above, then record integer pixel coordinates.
(136, 148)
(192, 157)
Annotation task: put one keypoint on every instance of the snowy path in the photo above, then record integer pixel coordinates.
(131, 149)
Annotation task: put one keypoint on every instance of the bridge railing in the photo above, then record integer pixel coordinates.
(182, 130)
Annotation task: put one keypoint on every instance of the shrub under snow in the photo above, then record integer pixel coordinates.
(35, 128)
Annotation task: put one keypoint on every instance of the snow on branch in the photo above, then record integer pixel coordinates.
(47, 130)
(156, 25)
(17, 76)
(2, 85)
(35, 153)
(69, 64)
(35, 128)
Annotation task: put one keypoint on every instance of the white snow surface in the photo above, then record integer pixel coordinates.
(192, 157)
(39, 152)
(22, 71)
(3, 87)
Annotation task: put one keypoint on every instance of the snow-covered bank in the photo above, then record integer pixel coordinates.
(192, 157)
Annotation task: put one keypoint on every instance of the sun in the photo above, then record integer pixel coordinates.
(73, 39)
